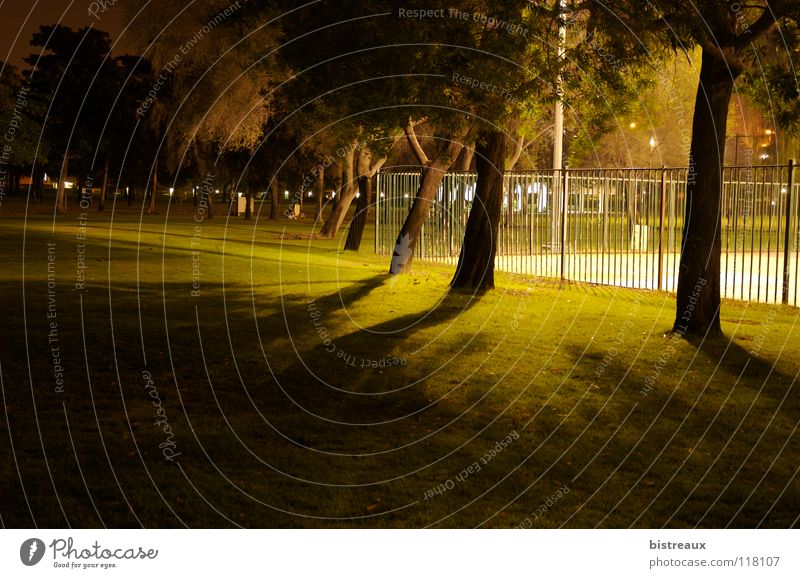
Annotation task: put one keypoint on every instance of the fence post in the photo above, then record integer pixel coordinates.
(377, 209)
(663, 207)
(787, 233)
(563, 220)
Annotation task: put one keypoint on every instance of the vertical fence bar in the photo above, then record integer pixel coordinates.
(377, 210)
(787, 233)
(563, 177)
(662, 208)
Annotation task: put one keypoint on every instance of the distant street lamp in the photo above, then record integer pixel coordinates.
(652, 144)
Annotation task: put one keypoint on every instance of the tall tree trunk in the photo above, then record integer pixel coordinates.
(476, 262)
(275, 200)
(348, 193)
(320, 190)
(104, 188)
(61, 195)
(153, 193)
(432, 176)
(698, 298)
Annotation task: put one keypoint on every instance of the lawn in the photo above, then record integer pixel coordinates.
(220, 374)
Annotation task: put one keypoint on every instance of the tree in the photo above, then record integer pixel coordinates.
(72, 91)
(25, 151)
(366, 172)
(733, 39)
(212, 80)
(345, 195)
(476, 262)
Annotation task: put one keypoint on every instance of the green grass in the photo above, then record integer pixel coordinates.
(275, 430)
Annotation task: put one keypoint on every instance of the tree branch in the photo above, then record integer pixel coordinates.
(519, 146)
(377, 166)
(734, 63)
(760, 27)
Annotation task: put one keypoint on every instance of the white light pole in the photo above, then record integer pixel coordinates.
(558, 133)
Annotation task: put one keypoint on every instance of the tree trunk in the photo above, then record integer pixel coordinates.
(248, 202)
(152, 209)
(61, 196)
(476, 262)
(210, 204)
(698, 298)
(320, 190)
(432, 176)
(346, 196)
(275, 200)
(365, 173)
(356, 230)
(465, 159)
(104, 188)
(36, 185)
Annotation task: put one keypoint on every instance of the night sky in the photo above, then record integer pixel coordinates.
(20, 19)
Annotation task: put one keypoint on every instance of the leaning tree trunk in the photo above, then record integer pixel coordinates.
(275, 200)
(432, 176)
(476, 263)
(356, 230)
(348, 193)
(698, 299)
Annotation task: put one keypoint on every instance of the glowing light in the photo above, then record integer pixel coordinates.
(652, 142)
(632, 125)
(171, 190)
(768, 132)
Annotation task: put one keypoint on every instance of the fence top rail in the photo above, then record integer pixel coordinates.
(414, 169)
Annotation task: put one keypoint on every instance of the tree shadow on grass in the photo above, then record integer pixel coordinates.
(701, 439)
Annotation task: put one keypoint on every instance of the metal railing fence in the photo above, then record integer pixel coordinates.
(619, 227)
